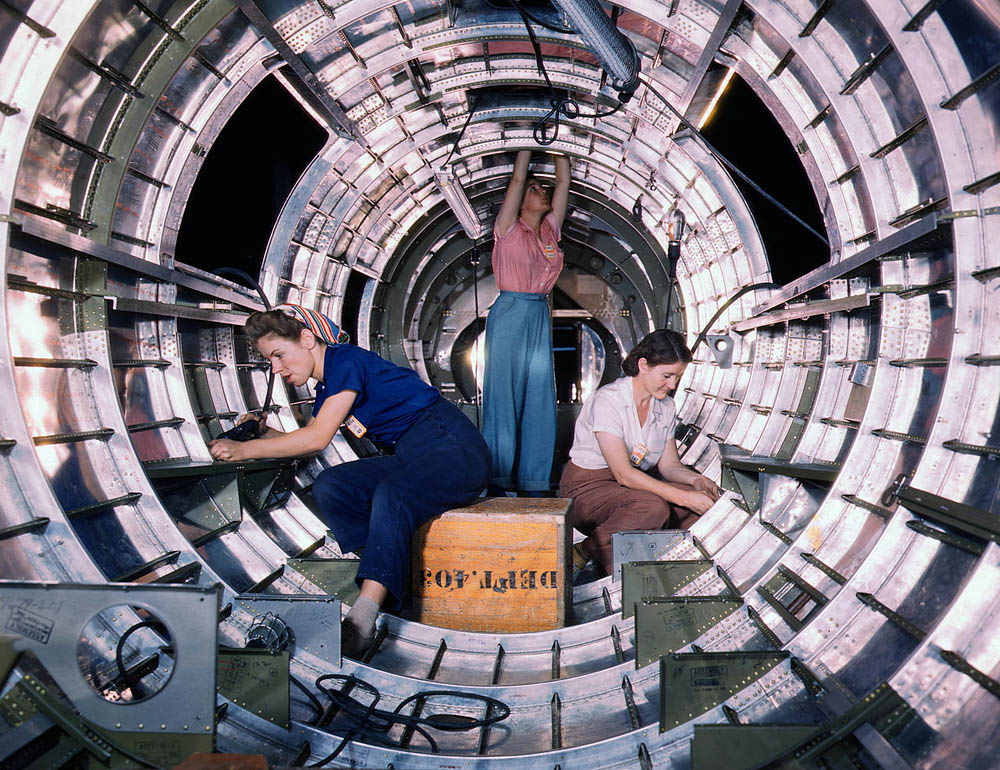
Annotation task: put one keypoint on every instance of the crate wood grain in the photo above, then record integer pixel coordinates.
(501, 564)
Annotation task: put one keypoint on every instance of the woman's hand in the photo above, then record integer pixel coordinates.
(699, 502)
(707, 486)
(230, 451)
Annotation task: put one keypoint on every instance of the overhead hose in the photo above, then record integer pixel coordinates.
(560, 105)
(252, 429)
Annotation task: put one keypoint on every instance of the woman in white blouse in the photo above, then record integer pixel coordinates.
(624, 472)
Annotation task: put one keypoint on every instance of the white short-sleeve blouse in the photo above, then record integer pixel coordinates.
(612, 410)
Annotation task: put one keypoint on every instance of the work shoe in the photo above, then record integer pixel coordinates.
(353, 643)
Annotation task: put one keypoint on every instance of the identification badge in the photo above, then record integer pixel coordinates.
(638, 452)
(550, 251)
(354, 426)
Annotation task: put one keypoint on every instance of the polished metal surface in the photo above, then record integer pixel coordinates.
(846, 397)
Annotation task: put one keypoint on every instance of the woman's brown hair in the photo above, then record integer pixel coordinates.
(273, 322)
(664, 346)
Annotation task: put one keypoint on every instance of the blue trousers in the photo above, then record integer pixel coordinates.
(519, 391)
(441, 462)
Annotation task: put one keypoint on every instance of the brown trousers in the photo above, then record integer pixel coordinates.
(602, 506)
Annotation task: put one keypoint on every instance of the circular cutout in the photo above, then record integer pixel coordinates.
(722, 345)
(125, 654)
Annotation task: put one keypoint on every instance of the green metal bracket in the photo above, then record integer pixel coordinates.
(29, 697)
(257, 680)
(665, 625)
(743, 747)
(692, 683)
(743, 483)
(206, 503)
(649, 579)
(8, 657)
(882, 708)
(335, 576)
(261, 490)
(964, 518)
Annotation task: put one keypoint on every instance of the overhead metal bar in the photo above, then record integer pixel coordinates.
(719, 32)
(333, 112)
(898, 241)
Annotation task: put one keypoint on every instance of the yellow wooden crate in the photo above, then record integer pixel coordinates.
(501, 564)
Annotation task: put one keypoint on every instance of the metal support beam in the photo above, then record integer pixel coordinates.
(331, 111)
(719, 32)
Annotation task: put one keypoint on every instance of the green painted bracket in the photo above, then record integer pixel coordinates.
(8, 657)
(258, 681)
(665, 625)
(335, 576)
(743, 747)
(692, 683)
(649, 579)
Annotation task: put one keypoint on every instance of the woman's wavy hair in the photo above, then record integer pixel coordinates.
(664, 346)
(273, 322)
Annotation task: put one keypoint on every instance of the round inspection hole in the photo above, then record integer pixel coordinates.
(722, 345)
(125, 653)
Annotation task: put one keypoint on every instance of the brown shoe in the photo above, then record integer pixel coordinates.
(580, 556)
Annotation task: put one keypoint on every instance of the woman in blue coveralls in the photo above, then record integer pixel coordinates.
(440, 460)
(519, 390)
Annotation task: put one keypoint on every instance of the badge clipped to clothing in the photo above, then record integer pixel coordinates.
(639, 451)
(354, 426)
(550, 251)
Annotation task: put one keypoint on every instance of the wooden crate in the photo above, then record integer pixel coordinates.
(501, 564)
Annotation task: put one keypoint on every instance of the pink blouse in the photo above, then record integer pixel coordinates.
(524, 262)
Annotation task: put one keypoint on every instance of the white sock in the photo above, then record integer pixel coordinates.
(363, 614)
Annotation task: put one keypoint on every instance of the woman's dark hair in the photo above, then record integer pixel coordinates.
(664, 346)
(273, 322)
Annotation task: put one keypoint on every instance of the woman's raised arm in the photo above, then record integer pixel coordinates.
(560, 195)
(511, 206)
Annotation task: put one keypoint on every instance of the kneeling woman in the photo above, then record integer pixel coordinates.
(440, 459)
(626, 430)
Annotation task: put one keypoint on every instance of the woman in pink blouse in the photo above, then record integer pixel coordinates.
(519, 394)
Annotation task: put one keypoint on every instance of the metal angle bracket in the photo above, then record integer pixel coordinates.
(657, 579)
(49, 618)
(256, 680)
(743, 747)
(313, 621)
(335, 576)
(663, 625)
(964, 518)
(644, 545)
(721, 346)
(692, 683)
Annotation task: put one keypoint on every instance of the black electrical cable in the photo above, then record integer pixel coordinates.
(239, 432)
(729, 164)
(313, 700)
(374, 724)
(468, 119)
(119, 649)
(725, 305)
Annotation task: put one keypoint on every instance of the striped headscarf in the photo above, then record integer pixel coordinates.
(316, 322)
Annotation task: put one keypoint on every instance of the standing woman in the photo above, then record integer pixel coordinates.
(519, 393)
(440, 460)
(624, 472)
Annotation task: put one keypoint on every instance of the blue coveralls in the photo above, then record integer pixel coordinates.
(519, 393)
(440, 462)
